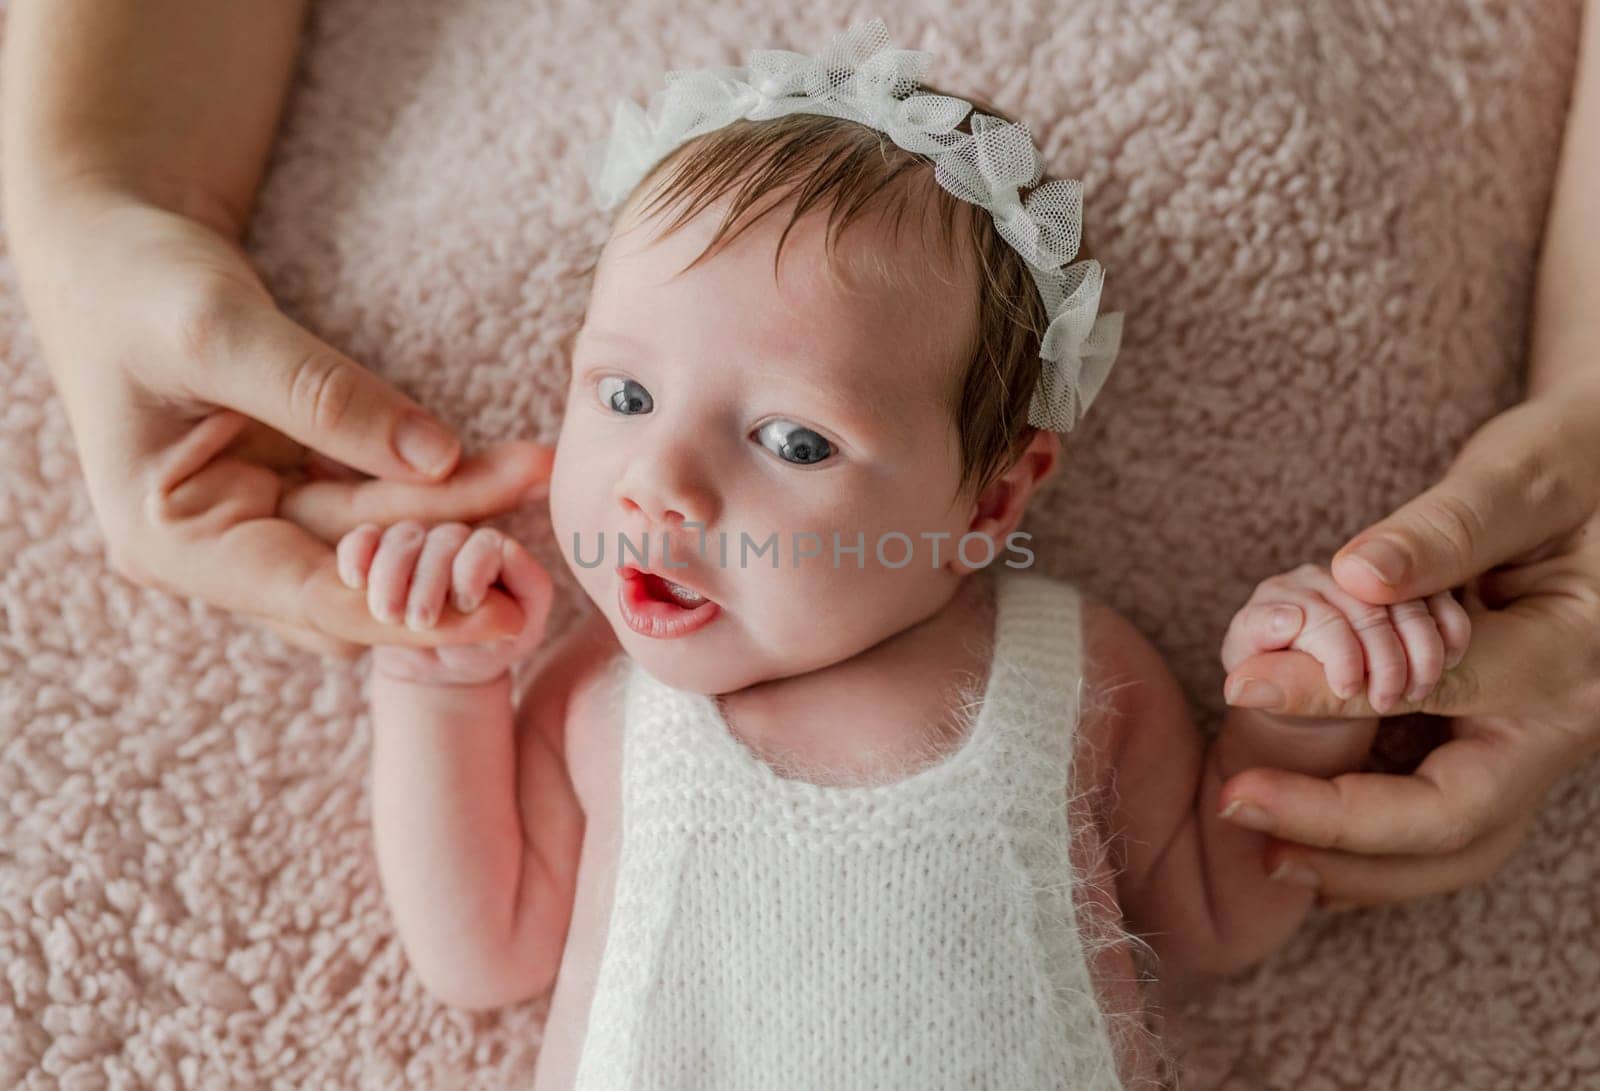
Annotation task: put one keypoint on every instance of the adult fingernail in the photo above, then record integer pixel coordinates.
(1247, 815)
(424, 445)
(1385, 560)
(1291, 872)
(1254, 693)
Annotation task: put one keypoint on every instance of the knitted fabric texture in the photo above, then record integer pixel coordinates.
(916, 934)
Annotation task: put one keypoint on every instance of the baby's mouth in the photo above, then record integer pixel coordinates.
(654, 606)
(664, 590)
(654, 587)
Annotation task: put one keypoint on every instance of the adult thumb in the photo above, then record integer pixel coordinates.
(258, 361)
(1479, 516)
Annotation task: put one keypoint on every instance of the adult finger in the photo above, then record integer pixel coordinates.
(1462, 789)
(253, 358)
(1357, 879)
(311, 640)
(213, 534)
(1516, 486)
(484, 484)
(1520, 662)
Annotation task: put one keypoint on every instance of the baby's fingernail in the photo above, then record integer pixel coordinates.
(1453, 660)
(466, 605)
(417, 620)
(1285, 620)
(1291, 872)
(1247, 815)
(539, 492)
(1254, 693)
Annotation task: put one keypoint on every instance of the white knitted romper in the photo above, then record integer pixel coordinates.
(769, 933)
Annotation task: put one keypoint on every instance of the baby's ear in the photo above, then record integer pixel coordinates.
(998, 509)
(1035, 465)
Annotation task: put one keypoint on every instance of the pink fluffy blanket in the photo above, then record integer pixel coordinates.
(1321, 221)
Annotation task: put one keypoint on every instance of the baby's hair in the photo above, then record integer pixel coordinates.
(852, 169)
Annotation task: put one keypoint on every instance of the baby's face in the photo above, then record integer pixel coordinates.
(763, 409)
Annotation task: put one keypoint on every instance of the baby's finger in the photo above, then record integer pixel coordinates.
(475, 568)
(389, 578)
(1424, 647)
(1328, 637)
(354, 554)
(1455, 626)
(1264, 627)
(1386, 667)
(430, 580)
(528, 583)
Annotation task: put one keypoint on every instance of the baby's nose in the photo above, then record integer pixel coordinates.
(666, 493)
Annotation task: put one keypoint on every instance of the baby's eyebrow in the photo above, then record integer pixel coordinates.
(590, 333)
(874, 411)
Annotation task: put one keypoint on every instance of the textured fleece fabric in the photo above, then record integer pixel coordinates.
(1322, 222)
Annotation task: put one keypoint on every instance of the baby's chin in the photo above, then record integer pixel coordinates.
(694, 663)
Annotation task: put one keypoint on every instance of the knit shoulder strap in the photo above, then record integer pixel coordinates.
(1022, 729)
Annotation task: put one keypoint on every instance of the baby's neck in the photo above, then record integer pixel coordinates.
(875, 717)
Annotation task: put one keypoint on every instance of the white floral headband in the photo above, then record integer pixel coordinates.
(857, 77)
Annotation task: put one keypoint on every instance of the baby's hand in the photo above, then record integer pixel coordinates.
(1404, 647)
(407, 571)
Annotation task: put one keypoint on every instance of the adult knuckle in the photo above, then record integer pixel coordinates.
(1545, 483)
(323, 390)
(1457, 520)
(203, 318)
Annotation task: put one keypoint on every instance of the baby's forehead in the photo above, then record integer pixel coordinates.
(875, 322)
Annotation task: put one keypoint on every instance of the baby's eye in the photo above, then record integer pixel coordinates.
(625, 396)
(793, 443)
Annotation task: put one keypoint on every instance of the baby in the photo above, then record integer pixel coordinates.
(830, 789)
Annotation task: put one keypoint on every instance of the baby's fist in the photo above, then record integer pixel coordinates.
(410, 572)
(1400, 649)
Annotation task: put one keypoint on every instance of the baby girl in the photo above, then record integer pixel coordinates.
(829, 789)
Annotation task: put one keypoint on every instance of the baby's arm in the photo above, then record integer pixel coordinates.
(1192, 882)
(476, 824)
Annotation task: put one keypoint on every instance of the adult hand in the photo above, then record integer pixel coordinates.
(151, 322)
(1514, 525)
